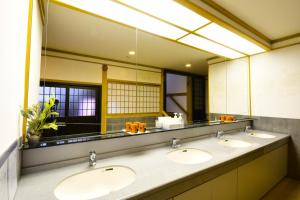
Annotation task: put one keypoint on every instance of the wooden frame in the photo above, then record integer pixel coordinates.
(104, 99)
(27, 68)
(136, 110)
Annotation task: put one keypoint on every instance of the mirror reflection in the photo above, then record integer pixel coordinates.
(108, 77)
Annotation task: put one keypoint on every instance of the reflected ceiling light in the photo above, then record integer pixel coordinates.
(131, 53)
(207, 45)
(230, 39)
(122, 14)
(188, 65)
(170, 11)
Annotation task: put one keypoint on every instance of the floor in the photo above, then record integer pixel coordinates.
(287, 189)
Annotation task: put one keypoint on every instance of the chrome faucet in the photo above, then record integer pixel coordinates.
(220, 134)
(92, 159)
(248, 129)
(174, 143)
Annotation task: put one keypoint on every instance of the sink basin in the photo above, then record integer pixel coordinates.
(261, 135)
(94, 183)
(189, 156)
(234, 143)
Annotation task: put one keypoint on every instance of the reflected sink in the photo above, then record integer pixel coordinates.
(234, 143)
(94, 183)
(261, 135)
(189, 156)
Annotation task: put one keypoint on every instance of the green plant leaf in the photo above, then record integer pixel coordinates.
(52, 125)
(37, 118)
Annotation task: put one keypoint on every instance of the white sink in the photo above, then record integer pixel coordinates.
(234, 143)
(261, 135)
(189, 156)
(94, 183)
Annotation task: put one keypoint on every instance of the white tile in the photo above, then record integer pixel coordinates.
(3, 182)
(12, 174)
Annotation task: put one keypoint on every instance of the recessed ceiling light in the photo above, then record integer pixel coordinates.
(223, 36)
(188, 65)
(207, 45)
(122, 14)
(131, 53)
(170, 11)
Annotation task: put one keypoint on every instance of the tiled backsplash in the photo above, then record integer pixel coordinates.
(289, 126)
(117, 124)
(9, 173)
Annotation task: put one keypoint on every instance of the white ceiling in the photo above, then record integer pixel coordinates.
(273, 18)
(73, 31)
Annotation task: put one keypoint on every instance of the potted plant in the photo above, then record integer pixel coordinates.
(38, 120)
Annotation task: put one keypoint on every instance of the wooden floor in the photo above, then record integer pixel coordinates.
(287, 189)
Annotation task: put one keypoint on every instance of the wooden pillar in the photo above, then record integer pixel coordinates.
(189, 100)
(249, 88)
(208, 95)
(27, 68)
(104, 99)
(161, 106)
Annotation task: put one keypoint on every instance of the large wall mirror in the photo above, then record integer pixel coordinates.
(105, 74)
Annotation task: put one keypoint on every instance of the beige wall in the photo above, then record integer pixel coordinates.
(238, 87)
(64, 69)
(61, 69)
(229, 87)
(13, 20)
(127, 74)
(217, 88)
(35, 54)
(275, 82)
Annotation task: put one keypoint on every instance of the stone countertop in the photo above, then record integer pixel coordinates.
(152, 168)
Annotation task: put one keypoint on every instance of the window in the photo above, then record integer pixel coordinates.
(132, 98)
(78, 106)
(82, 102)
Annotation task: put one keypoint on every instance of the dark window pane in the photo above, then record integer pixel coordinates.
(53, 92)
(84, 103)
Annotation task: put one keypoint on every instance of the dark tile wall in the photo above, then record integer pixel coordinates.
(117, 124)
(288, 126)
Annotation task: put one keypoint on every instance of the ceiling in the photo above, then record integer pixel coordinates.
(77, 32)
(273, 18)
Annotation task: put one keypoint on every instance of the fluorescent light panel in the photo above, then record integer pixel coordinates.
(170, 11)
(230, 39)
(120, 13)
(207, 45)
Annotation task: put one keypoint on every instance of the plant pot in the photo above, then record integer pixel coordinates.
(34, 140)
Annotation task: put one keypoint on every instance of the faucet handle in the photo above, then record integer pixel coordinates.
(220, 134)
(248, 129)
(174, 143)
(175, 140)
(92, 152)
(93, 155)
(92, 159)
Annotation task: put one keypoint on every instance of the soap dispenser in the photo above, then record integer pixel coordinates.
(181, 120)
(175, 116)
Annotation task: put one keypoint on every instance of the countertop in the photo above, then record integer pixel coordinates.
(152, 168)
